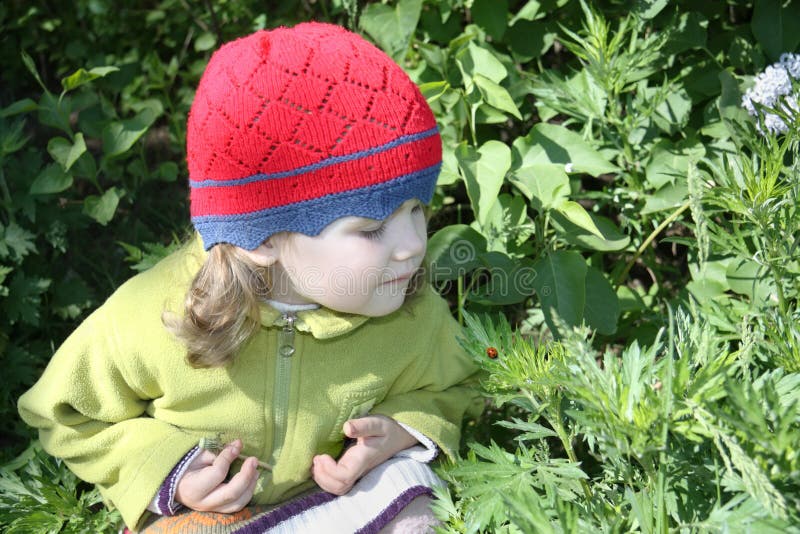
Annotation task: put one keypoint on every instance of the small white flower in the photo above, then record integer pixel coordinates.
(791, 62)
(774, 124)
(773, 89)
(770, 85)
(568, 167)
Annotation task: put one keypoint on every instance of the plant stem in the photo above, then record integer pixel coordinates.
(669, 220)
(558, 426)
(9, 203)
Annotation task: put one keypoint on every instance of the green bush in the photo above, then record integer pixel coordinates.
(604, 197)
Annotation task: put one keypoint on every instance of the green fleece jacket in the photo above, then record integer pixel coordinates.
(121, 406)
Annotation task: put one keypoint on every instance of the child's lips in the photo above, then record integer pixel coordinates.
(399, 279)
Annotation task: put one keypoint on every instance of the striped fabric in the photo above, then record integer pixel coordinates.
(372, 504)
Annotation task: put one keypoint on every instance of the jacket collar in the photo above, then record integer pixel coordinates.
(322, 323)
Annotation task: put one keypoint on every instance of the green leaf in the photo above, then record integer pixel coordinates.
(577, 215)
(52, 179)
(18, 240)
(496, 95)
(102, 208)
(64, 152)
(672, 114)
(205, 41)
(612, 239)
(776, 26)
(4, 272)
(560, 284)
(669, 163)
(12, 138)
(548, 143)
(474, 60)
(168, 171)
(449, 174)
(545, 185)
(710, 282)
(492, 16)
(70, 297)
(433, 90)
(505, 280)
(601, 309)
(20, 106)
(119, 136)
(749, 278)
(153, 253)
(55, 112)
(483, 171)
(24, 299)
(730, 103)
(532, 431)
(31, 66)
(668, 197)
(529, 40)
(82, 76)
(691, 31)
(648, 9)
(453, 251)
(530, 11)
(391, 27)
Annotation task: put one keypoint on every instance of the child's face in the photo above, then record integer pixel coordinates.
(355, 265)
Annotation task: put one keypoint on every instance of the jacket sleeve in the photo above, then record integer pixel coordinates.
(89, 414)
(433, 396)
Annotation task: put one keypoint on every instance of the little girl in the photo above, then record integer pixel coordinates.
(305, 343)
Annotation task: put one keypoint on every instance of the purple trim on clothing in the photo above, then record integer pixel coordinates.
(394, 508)
(166, 495)
(271, 519)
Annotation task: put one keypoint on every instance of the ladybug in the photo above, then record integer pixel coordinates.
(491, 352)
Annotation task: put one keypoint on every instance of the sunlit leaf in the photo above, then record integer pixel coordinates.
(484, 171)
(102, 208)
(52, 179)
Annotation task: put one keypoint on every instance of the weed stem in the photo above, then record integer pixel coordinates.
(669, 220)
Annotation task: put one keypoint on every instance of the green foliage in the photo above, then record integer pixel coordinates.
(39, 495)
(677, 435)
(599, 171)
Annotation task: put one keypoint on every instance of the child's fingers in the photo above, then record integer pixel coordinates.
(236, 493)
(204, 459)
(222, 463)
(365, 427)
(330, 477)
(338, 477)
(205, 473)
(212, 475)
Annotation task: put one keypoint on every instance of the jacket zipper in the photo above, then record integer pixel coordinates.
(283, 370)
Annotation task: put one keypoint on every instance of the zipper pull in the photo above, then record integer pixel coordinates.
(286, 336)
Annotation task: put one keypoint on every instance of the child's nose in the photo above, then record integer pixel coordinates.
(412, 240)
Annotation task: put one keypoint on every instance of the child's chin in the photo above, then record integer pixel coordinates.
(384, 307)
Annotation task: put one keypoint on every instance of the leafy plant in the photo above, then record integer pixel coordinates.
(675, 435)
(599, 172)
(40, 495)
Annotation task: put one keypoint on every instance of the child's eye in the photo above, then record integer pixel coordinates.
(374, 234)
(417, 208)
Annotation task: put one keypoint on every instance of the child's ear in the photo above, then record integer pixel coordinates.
(263, 255)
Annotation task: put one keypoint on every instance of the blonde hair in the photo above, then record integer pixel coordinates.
(221, 308)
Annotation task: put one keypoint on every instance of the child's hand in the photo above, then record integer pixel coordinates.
(378, 438)
(203, 488)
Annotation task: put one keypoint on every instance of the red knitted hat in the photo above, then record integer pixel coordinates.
(294, 128)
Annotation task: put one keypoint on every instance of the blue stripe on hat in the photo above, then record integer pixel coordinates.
(249, 230)
(327, 162)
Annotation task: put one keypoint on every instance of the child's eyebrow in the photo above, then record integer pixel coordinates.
(355, 221)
